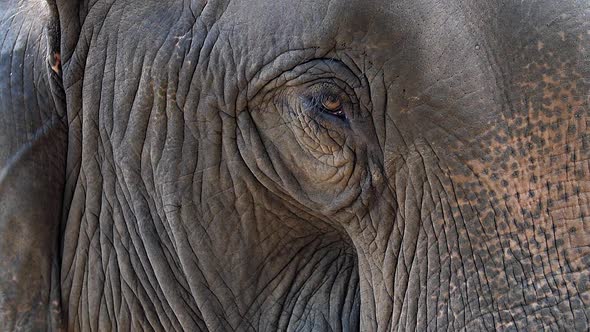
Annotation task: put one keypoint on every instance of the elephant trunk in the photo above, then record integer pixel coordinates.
(395, 252)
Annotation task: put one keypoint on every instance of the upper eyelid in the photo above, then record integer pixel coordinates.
(298, 80)
(317, 97)
(306, 73)
(347, 91)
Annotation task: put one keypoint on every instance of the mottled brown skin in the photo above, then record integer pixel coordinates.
(309, 165)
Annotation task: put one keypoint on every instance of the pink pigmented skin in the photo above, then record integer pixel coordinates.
(56, 67)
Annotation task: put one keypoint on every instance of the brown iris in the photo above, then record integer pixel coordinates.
(332, 103)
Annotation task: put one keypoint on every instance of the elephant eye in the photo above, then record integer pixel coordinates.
(328, 99)
(333, 104)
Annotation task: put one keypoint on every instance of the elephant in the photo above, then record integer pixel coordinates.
(251, 165)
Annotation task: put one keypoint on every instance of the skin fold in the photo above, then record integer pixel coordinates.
(294, 165)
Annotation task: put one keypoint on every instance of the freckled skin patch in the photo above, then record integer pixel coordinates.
(528, 194)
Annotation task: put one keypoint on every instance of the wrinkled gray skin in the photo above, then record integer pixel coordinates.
(170, 166)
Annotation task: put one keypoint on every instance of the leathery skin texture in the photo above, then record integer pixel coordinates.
(233, 165)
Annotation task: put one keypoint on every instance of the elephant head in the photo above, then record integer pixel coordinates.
(311, 165)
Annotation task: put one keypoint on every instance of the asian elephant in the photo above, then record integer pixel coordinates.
(309, 165)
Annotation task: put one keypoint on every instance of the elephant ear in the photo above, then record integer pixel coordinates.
(33, 154)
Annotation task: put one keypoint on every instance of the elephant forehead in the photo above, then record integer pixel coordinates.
(423, 41)
(320, 24)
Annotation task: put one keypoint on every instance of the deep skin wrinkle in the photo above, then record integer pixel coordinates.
(204, 191)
